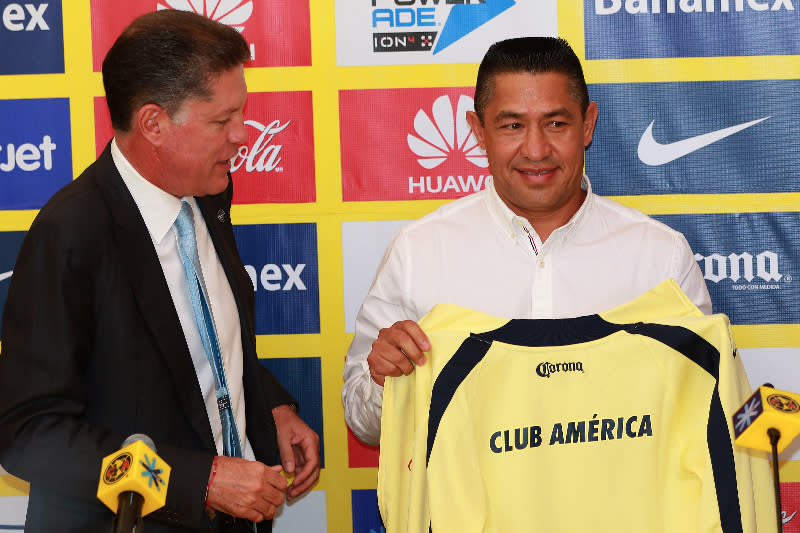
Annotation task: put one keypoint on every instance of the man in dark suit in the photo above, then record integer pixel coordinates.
(101, 334)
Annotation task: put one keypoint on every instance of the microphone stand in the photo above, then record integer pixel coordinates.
(129, 514)
(774, 437)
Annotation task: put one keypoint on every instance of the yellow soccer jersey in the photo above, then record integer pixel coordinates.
(617, 422)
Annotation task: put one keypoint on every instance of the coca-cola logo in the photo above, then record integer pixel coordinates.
(786, 517)
(264, 155)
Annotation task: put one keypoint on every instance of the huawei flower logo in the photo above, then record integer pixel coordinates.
(446, 133)
(233, 13)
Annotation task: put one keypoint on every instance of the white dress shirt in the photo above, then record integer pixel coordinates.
(159, 209)
(475, 252)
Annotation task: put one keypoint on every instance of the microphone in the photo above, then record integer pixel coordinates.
(133, 482)
(769, 420)
(769, 414)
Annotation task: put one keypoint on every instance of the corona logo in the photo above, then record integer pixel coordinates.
(233, 13)
(736, 266)
(446, 133)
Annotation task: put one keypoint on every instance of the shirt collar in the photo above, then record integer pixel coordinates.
(510, 221)
(158, 208)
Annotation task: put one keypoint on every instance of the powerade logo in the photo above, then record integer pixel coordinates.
(302, 378)
(10, 243)
(281, 260)
(381, 32)
(695, 138)
(464, 16)
(35, 151)
(31, 37)
(623, 29)
(366, 516)
(749, 261)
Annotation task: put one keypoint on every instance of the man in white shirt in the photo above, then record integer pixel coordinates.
(536, 243)
(130, 310)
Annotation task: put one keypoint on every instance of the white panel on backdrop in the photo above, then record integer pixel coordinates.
(409, 32)
(12, 512)
(363, 244)
(781, 368)
(308, 514)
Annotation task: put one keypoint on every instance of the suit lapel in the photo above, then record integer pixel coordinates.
(151, 291)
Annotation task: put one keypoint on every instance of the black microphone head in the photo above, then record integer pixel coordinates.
(142, 437)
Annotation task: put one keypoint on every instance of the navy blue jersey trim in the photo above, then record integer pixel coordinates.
(682, 340)
(468, 355)
(723, 466)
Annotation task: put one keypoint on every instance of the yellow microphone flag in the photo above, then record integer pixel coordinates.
(767, 408)
(135, 468)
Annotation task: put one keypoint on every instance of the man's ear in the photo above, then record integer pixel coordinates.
(475, 123)
(149, 122)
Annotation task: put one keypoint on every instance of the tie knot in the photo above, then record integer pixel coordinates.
(185, 221)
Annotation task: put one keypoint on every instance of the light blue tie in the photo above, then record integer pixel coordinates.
(187, 247)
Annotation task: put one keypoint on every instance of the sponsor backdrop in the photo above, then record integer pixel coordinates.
(356, 125)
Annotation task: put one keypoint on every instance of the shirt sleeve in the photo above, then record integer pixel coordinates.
(688, 275)
(384, 305)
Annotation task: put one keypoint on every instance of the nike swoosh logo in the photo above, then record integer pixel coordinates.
(5, 275)
(653, 153)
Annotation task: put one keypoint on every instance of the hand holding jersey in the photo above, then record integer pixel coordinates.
(397, 350)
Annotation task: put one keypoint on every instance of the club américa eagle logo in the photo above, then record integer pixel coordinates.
(783, 403)
(117, 468)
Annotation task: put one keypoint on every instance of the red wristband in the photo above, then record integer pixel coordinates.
(211, 478)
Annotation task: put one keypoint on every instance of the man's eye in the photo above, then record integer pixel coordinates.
(512, 126)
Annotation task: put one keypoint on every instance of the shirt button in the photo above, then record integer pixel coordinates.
(541, 264)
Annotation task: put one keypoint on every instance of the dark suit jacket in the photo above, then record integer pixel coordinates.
(93, 351)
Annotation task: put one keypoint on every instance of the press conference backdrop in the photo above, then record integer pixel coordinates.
(356, 124)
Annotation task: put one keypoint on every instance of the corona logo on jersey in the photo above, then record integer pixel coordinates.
(416, 141)
(747, 261)
(623, 29)
(10, 243)
(31, 37)
(35, 151)
(395, 32)
(281, 260)
(670, 138)
(278, 31)
(277, 163)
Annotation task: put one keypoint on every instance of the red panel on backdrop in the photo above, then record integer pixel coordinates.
(790, 506)
(409, 144)
(277, 164)
(278, 31)
(359, 454)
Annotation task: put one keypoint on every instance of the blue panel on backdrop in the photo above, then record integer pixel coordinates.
(10, 243)
(281, 260)
(366, 516)
(302, 377)
(750, 261)
(695, 137)
(35, 151)
(624, 29)
(31, 37)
